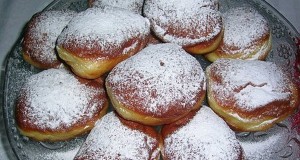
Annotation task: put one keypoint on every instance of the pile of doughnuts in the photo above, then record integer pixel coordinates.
(140, 57)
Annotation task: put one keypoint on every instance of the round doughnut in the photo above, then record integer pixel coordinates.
(40, 35)
(200, 135)
(250, 95)
(97, 39)
(159, 85)
(131, 5)
(246, 36)
(116, 138)
(54, 105)
(195, 25)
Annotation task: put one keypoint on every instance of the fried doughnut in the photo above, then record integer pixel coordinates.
(195, 25)
(246, 36)
(200, 135)
(97, 39)
(159, 85)
(116, 138)
(250, 95)
(54, 105)
(131, 5)
(40, 34)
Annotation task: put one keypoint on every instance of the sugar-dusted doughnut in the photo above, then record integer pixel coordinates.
(116, 138)
(250, 95)
(246, 36)
(200, 135)
(40, 35)
(195, 25)
(99, 38)
(159, 85)
(54, 105)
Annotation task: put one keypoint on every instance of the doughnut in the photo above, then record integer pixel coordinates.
(40, 34)
(195, 25)
(247, 35)
(116, 138)
(159, 85)
(250, 95)
(131, 5)
(99, 38)
(200, 135)
(54, 105)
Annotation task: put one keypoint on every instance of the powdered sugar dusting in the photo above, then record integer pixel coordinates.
(132, 5)
(103, 28)
(55, 99)
(158, 78)
(128, 49)
(110, 139)
(184, 22)
(251, 84)
(244, 27)
(200, 139)
(42, 32)
(261, 51)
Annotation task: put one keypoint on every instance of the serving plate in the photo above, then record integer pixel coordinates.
(280, 142)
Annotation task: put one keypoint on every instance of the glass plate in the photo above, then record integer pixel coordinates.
(280, 142)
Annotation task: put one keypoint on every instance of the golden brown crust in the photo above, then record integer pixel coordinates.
(262, 49)
(92, 66)
(84, 50)
(83, 124)
(205, 47)
(138, 116)
(95, 49)
(79, 129)
(249, 122)
(42, 65)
